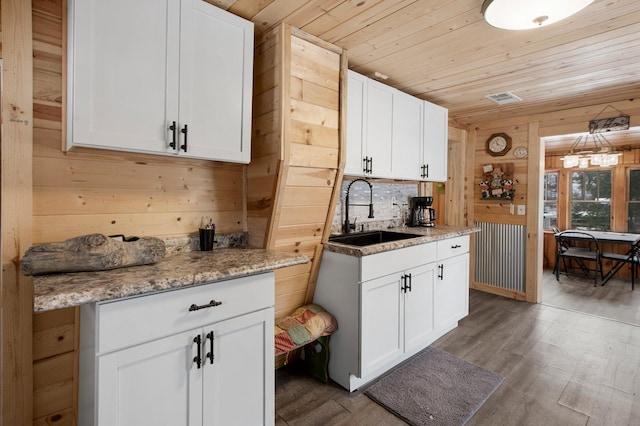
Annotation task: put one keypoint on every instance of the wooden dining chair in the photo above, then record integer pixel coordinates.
(581, 248)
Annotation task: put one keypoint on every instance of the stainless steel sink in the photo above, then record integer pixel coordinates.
(362, 239)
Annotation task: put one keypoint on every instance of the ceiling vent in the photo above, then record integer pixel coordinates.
(503, 98)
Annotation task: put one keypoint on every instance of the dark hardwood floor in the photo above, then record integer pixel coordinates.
(561, 367)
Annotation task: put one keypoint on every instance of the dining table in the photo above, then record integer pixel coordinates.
(629, 240)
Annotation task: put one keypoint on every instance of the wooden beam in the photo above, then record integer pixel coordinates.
(535, 233)
(16, 151)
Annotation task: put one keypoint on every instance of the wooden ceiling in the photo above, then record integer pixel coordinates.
(444, 52)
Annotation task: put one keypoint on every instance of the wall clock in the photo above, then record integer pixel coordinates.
(498, 144)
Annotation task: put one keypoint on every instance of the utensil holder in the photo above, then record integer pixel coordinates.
(207, 237)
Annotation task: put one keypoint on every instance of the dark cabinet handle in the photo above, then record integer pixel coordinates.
(456, 246)
(441, 273)
(184, 131)
(423, 174)
(198, 358)
(405, 283)
(211, 304)
(173, 129)
(370, 165)
(210, 354)
(365, 165)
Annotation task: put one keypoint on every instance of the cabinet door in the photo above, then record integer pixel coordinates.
(407, 136)
(418, 308)
(239, 382)
(356, 113)
(380, 322)
(155, 383)
(216, 71)
(124, 59)
(452, 291)
(379, 127)
(435, 143)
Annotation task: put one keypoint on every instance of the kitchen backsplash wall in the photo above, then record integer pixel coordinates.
(384, 195)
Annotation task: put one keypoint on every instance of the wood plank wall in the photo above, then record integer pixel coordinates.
(85, 191)
(526, 131)
(16, 291)
(296, 155)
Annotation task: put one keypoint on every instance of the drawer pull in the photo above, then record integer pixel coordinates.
(211, 304)
(441, 274)
(456, 246)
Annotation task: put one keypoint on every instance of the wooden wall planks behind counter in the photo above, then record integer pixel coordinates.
(295, 173)
(86, 191)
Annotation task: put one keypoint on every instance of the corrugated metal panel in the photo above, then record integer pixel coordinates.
(500, 255)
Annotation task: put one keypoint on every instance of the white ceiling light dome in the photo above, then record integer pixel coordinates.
(527, 14)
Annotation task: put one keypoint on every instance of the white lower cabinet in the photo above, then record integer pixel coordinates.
(176, 365)
(391, 305)
(396, 316)
(452, 283)
(384, 307)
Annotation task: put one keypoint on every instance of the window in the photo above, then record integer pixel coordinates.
(634, 202)
(591, 200)
(550, 209)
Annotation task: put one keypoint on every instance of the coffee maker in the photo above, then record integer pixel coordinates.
(422, 214)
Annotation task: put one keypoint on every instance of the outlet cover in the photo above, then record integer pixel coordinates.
(522, 209)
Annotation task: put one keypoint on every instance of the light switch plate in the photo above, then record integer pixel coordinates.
(522, 209)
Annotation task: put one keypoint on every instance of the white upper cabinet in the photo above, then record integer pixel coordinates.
(137, 67)
(356, 163)
(369, 127)
(379, 126)
(391, 134)
(435, 147)
(407, 136)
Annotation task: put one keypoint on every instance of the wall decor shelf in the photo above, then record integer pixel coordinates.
(498, 182)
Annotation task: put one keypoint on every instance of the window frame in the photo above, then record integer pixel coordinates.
(597, 200)
(628, 201)
(556, 201)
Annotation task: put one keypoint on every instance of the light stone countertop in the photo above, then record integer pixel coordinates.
(427, 235)
(174, 271)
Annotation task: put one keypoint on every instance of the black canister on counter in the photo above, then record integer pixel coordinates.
(207, 237)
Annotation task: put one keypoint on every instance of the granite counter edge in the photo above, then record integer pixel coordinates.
(52, 297)
(442, 233)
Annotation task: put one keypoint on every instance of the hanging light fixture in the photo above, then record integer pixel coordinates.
(527, 14)
(599, 153)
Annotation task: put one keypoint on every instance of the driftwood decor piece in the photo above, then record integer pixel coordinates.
(93, 252)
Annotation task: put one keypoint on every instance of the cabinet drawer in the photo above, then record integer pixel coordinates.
(136, 320)
(453, 247)
(389, 262)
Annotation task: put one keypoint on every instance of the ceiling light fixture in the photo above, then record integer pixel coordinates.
(601, 153)
(528, 14)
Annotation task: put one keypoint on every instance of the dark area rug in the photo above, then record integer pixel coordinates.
(434, 388)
